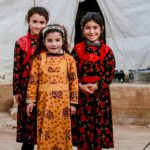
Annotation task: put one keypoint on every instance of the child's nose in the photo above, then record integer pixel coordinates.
(53, 43)
(38, 25)
(91, 30)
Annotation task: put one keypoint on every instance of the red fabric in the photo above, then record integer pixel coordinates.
(90, 79)
(24, 48)
(25, 44)
(81, 51)
(92, 124)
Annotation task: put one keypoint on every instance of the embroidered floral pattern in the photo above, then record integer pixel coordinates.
(24, 48)
(46, 135)
(56, 94)
(55, 147)
(92, 126)
(49, 115)
(66, 112)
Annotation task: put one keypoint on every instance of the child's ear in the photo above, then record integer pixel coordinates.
(102, 28)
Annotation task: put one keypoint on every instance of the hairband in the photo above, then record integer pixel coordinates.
(51, 28)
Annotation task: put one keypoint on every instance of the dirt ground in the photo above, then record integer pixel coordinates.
(126, 137)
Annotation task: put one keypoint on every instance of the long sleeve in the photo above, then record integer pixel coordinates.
(17, 69)
(77, 60)
(33, 81)
(73, 80)
(109, 69)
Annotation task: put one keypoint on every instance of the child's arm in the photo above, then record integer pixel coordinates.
(33, 85)
(73, 110)
(79, 50)
(73, 83)
(109, 69)
(17, 71)
(29, 108)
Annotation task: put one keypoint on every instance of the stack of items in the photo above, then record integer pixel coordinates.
(119, 76)
(139, 75)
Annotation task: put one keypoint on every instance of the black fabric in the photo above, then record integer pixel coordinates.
(27, 146)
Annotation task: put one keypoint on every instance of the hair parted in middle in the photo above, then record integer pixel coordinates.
(92, 16)
(50, 29)
(37, 10)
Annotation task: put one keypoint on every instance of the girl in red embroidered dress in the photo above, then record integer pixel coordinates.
(92, 125)
(37, 18)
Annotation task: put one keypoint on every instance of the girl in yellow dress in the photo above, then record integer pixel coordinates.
(53, 85)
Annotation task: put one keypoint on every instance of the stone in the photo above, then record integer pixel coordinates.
(6, 98)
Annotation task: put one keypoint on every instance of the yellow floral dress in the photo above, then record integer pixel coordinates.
(54, 83)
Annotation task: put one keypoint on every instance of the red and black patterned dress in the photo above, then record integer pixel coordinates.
(92, 125)
(24, 49)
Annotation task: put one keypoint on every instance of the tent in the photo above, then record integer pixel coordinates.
(127, 27)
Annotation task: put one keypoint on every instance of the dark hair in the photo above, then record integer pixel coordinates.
(93, 16)
(49, 29)
(37, 10)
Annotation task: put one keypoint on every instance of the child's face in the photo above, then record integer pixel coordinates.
(92, 31)
(37, 23)
(54, 42)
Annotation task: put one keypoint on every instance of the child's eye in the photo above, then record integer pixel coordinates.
(58, 39)
(87, 27)
(34, 21)
(49, 40)
(42, 22)
(96, 27)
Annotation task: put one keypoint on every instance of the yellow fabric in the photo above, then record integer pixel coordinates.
(57, 88)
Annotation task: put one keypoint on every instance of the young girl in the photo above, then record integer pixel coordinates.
(54, 84)
(37, 18)
(92, 125)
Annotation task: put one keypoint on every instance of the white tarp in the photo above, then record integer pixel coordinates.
(12, 26)
(127, 29)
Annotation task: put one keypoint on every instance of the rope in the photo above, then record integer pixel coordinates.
(146, 146)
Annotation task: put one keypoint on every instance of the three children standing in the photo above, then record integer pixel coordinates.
(52, 88)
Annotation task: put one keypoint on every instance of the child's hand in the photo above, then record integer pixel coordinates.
(86, 89)
(73, 110)
(29, 108)
(18, 98)
(93, 87)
